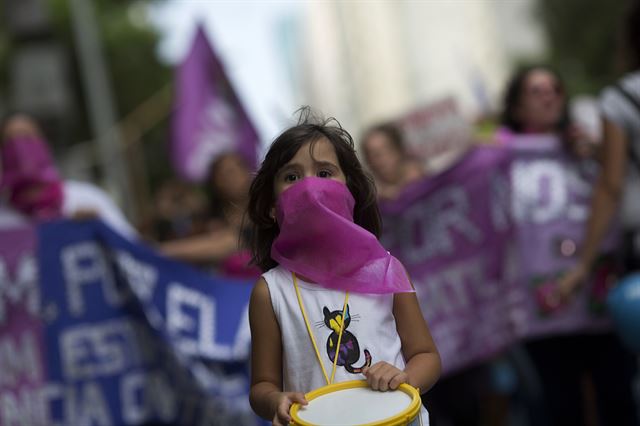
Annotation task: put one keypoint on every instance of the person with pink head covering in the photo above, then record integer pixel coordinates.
(32, 189)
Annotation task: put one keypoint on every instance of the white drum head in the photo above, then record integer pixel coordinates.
(354, 406)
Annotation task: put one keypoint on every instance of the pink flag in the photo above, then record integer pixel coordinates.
(208, 118)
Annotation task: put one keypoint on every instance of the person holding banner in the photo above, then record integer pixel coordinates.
(536, 104)
(179, 211)
(386, 155)
(31, 185)
(224, 243)
(617, 190)
(618, 184)
(333, 305)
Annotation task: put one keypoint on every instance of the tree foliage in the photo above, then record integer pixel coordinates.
(584, 36)
(135, 76)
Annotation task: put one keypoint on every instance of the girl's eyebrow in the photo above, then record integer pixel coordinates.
(288, 167)
(326, 164)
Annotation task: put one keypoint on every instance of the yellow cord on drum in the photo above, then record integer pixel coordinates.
(313, 340)
(335, 359)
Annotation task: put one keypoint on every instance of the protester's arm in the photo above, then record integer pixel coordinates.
(604, 204)
(266, 396)
(422, 368)
(210, 247)
(83, 200)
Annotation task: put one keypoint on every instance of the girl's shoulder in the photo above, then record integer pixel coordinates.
(277, 275)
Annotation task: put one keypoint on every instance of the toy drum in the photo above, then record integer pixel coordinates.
(355, 403)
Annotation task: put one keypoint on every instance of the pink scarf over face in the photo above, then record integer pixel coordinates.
(30, 179)
(319, 240)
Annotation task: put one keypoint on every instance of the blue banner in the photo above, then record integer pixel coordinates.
(131, 338)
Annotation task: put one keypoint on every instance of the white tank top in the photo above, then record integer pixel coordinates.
(370, 331)
(370, 335)
(370, 327)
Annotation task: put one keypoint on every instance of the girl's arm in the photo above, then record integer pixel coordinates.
(420, 352)
(604, 204)
(266, 396)
(422, 359)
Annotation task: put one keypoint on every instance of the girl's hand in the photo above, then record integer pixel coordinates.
(383, 376)
(283, 405)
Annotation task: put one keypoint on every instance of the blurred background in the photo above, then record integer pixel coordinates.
(165, 107)
(99, 75)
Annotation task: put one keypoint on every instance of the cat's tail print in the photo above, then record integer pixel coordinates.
(358, 370)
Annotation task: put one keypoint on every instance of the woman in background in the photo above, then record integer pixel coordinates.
(536, 104)
(223, 244)
(31, 186)
(386, 156)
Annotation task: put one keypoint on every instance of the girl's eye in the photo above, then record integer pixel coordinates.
(324, 174)
(290, 177)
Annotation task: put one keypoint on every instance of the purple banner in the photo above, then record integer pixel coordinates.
(22, 371)
(550, 204)
(208, 117)
(452, 233)
(486, 240)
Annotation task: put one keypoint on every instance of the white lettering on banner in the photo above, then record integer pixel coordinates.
(541, 192)
(22, 408)
(582, 188)
(500, 202)
(141, 276)
(23, 288)
(104, 349)
(455, 288)
(82, 406)
(214, 379)
(451, 293)
(91, 405)
(242, 343)
(142, 279)
(85, 264)
(19, 359)
(191, 321)
(54, 393)
(147, 396)
(428, 226)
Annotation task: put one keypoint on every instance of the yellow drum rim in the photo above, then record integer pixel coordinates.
(399, 419)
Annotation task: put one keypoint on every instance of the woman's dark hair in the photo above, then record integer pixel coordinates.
(262, 197)
(391, 131)
(513, 96)
(217, 201)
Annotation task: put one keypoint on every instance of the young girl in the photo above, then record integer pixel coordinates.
(333, 305)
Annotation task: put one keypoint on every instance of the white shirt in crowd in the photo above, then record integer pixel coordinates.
(78, 196)
(620, 111)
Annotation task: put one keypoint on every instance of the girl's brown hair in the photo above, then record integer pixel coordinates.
(262, 196)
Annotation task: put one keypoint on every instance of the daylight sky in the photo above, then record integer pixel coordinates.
(245, 36)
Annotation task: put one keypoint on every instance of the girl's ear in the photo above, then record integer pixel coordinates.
(272, 213)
